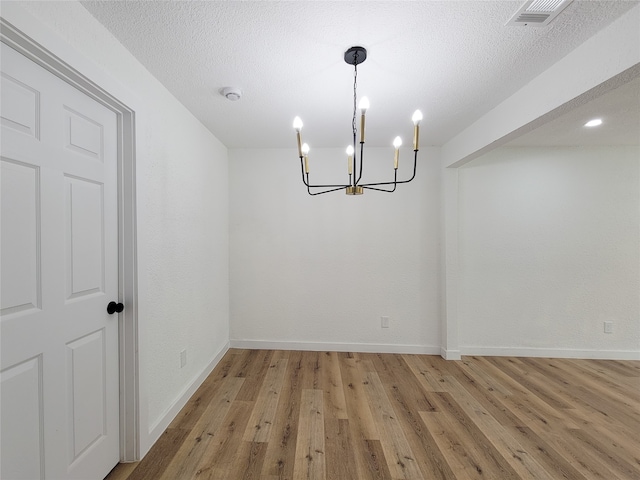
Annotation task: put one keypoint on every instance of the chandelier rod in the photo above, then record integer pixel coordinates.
(353, 120)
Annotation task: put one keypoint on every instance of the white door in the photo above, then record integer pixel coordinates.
(59, 382)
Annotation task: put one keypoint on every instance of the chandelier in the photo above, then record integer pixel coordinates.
(355, 56)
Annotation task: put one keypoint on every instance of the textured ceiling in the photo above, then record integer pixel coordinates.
(455, 60)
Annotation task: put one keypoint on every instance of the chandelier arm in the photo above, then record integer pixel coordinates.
(302, 170)
(395, 178)
(415, 164)
(337, 187)
(381, 189)
(326, 191)
(308, 185)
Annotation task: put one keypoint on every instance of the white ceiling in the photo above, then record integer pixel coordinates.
(455, 60)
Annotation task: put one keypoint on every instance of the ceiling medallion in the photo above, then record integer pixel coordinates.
(355, 56)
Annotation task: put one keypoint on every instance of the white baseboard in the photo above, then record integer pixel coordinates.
(436, 350)
(551, 353)
(450, 354)
(336, 347)
(156, 430)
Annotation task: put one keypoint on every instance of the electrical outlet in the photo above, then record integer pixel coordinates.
(608, 327)
(384, 322)
(183, 358)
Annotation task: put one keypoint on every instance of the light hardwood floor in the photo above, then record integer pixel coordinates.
(275, 415)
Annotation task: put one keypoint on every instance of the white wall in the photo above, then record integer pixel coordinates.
(182, 207)
(549, 244)
(319, 272)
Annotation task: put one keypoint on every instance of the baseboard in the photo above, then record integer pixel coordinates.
(170, 413)
(435, 350)
(450, 354)
(551, 353)
(336, 347)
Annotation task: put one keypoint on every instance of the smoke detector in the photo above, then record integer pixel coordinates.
(231, 93)
(538, 13)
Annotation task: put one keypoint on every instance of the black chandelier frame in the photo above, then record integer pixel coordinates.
(355, 56)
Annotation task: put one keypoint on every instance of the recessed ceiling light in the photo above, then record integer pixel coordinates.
(593, 123)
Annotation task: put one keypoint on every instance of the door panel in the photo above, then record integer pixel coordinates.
(84, 215)
(20, 106)
(20, 210)
(87, 390)
(22, 436)
(83, 135)
(59, 348)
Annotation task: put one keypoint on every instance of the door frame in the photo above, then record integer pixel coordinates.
(127, 249)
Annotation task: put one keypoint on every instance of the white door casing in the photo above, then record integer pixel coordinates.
(59, 247)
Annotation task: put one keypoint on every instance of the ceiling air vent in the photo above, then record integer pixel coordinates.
(538, 13)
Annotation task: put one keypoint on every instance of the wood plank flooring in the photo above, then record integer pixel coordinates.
(278, 415)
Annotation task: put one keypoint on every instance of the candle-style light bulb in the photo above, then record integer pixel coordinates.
(417, 117)
(364, 105)
(297, 125)
(305, 152)
(350, 159)
(396, 144)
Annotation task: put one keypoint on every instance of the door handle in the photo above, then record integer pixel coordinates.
(114, 307)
